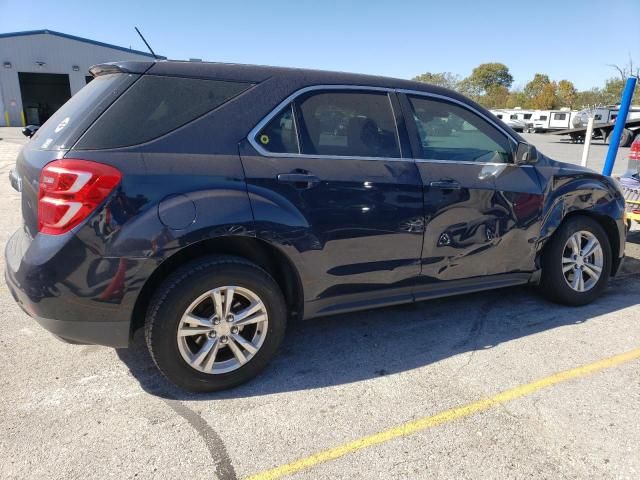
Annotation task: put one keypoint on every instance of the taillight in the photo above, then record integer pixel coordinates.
(634, 153)
(70, 190)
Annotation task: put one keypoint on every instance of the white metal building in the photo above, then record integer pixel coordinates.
(41, 69)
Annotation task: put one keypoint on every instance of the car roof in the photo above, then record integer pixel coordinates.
(260, 73)
(294, 78)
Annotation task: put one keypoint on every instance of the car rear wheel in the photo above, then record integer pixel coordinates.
(576, 262)
(215, 323)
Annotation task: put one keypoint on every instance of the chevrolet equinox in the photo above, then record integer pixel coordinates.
(210, 203)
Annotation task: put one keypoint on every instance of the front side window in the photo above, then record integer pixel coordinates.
(354, 124)
(279, 135)
(451, 132)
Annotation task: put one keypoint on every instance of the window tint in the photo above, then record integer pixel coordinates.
(347, 124)
(280, 136)
(451, 132)
(154, 106)
(74, 117)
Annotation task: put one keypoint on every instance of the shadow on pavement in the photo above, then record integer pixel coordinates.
(353, 347)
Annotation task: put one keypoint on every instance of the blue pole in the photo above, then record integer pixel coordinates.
(614, 141)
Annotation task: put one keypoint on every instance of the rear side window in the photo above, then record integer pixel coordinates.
(74, 117)
(448, 131)
(279, 135)
(154, 106)
(355, 124)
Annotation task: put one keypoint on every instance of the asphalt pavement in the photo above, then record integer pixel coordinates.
(499, 384)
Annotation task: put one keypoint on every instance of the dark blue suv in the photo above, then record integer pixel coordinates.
(211, 203)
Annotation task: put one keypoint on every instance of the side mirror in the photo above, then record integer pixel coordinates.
(29, 131)
(526, 154)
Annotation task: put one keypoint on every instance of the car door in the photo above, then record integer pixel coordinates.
(329, 186)
(471, 187)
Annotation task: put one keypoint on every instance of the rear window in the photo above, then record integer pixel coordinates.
(74, 117)
(154, 106)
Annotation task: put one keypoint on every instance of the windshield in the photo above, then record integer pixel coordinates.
(74, 117)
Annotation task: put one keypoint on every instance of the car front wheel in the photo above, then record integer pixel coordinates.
(215, 323)
(576, 263)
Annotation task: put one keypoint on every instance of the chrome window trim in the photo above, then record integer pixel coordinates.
(462, 104)
(468, 162)
(289, 100)
(251, 138)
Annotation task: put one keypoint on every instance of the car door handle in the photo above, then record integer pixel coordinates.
(446, 184)
(300, 180)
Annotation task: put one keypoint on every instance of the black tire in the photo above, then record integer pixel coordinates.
(552, 282)
(626, 139)
(175, 295)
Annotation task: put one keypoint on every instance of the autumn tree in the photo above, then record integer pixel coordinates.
(535, 86)
(546, 99)
(541, 92)
(566, 93)
(496, 96)
(517, 99)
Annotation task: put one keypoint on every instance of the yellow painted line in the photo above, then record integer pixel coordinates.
(6, 118)
(444, 417)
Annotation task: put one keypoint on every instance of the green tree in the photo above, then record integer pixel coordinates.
(589, 98)
(488, 75)
(496, 97)
(566, 93)
(470, 89)
(535, 86)
(442, 79)
(518, 99)
(613, 88)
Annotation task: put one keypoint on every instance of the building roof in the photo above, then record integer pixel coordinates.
(78, 39)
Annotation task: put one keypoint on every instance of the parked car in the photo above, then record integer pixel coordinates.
(211, 203)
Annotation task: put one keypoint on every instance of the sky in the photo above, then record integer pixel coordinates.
(566, 39)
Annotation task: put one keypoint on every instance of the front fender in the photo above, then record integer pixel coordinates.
(584, 192)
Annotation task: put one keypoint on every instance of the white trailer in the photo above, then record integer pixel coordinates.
(511, 119)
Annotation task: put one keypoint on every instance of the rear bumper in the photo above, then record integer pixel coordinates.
(75, 294)
(111, 334)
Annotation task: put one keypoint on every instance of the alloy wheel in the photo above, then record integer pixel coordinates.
(222, 329)
(582, 261)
